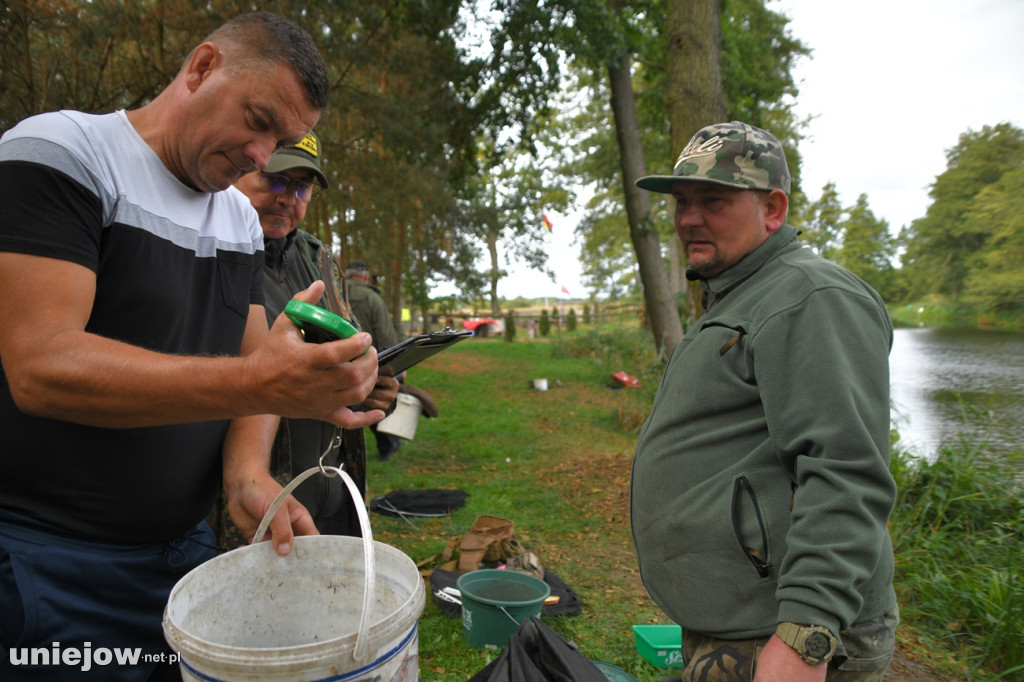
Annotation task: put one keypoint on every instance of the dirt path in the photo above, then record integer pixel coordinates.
(906, 669)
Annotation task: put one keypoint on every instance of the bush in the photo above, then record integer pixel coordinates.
(570, 320)
(545, 323)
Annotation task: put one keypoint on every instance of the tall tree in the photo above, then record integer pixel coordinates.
(822, 229)
(867, 248)
(745, 25)
(940, 246)
(398, 139)
(693, 86)
(658, 297)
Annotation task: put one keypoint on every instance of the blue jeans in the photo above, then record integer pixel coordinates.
(77, 609)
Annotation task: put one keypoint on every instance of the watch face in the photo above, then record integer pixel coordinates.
(817, 645)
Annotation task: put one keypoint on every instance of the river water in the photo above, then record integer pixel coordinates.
(939, 374)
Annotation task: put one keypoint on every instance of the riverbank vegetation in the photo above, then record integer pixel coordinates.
(938, 312)
(958, 534)
(557, 463)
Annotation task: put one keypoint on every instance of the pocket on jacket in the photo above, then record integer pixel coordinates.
(750, 527)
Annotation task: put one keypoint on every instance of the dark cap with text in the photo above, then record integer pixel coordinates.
(734, 154)
(306, 154)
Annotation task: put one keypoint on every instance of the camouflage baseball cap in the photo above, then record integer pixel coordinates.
(734, 154)
(306, 154)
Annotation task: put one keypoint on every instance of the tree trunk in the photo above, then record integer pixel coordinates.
(660, 304)
(693, 88)
(495, 274)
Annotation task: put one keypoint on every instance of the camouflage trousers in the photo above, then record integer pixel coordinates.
(864, 654)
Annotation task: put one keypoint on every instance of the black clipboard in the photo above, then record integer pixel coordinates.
(405, 354)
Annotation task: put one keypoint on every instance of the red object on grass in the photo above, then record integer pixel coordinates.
(626, 380)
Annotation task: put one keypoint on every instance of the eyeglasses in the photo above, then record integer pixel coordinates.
(277, 183)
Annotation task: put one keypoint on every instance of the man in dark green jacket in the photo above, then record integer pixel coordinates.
(760, 489)
(294, 259)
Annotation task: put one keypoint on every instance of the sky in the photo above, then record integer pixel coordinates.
(891, 85)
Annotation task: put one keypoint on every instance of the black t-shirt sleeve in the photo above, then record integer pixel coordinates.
(44, 212)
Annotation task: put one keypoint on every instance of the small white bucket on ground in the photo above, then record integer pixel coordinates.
(250, 614)
(540, 384)
(404, 420)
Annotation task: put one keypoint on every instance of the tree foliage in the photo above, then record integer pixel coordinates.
(123, 53)
(822, 226)
(758, 54)
(995, 278)
(397, 141)
(868, 249)
(441, 150)
(966, 224)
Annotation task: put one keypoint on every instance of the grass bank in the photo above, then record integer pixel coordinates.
(937, 312)
(557, 463)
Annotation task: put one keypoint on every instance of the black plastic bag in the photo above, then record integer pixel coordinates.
(536, 653)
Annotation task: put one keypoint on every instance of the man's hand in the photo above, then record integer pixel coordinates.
(313, 380)
(779, 662)
(384, 392)
(248, 502)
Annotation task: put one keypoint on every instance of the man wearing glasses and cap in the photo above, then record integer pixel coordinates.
(294, 259)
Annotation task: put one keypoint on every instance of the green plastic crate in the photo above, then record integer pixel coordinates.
(661, 645)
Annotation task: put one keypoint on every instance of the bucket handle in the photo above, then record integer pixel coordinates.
(510, 616)
(369, 581)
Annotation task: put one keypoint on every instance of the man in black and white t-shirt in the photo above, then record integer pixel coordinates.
(138, 369)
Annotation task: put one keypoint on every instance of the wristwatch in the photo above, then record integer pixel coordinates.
(814, 643)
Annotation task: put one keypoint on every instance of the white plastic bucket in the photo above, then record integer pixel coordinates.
(250, 614)
(540, 384)
(404, 420)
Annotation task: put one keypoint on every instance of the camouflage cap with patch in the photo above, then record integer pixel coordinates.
(734, 154)
(306, 154)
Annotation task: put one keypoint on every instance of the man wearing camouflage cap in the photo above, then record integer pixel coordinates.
(760, 489)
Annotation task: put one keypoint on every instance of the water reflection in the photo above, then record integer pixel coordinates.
(938, 374)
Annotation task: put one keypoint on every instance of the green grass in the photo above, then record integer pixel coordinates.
(958, 533)
(558, 462)
(555, 462)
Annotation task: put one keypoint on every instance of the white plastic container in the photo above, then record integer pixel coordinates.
(250, 614)
(404, 420)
